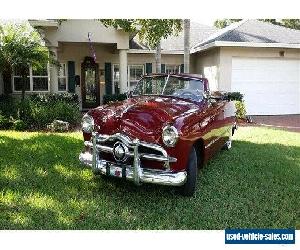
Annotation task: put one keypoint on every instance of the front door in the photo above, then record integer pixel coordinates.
(90, 88)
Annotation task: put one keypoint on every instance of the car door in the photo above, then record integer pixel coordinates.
(215, 127)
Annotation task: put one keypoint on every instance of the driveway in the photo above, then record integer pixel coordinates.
(286, 122)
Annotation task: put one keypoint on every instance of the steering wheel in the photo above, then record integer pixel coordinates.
(188, 95)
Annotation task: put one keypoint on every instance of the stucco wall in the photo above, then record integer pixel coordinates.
(106, 53)
(78, 51)
(216, 64)
(206, 63)
(227, 53)
(74, 30)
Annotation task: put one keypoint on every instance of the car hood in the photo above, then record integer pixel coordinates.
(141, 117)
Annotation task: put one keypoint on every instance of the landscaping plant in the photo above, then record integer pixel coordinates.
(39, 111)
(21, 47)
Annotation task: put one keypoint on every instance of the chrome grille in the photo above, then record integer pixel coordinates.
(146, 151)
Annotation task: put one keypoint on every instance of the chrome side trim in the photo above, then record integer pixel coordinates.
(212, 142)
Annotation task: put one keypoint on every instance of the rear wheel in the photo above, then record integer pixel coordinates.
(188, 189)
(228, 143)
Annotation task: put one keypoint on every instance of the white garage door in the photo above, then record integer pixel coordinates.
(270, 86)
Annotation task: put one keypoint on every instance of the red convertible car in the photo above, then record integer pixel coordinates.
(168, 127)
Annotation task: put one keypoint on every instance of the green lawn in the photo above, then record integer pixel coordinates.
(255, 185)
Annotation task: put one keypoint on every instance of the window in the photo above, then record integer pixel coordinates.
(62, 77)
(17, 80)
(179, 87)
(40, 79)
(116, 79)
(135, 73)
(37, 79)
(172, 69)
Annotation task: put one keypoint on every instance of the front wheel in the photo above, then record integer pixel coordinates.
(188, 189)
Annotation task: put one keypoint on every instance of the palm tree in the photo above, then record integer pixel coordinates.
(186, 34)
(21, 47)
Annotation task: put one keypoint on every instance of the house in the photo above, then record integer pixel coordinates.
(259, 59)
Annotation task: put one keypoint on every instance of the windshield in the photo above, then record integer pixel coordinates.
(185, 88)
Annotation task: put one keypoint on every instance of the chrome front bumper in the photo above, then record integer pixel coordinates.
(134, 173)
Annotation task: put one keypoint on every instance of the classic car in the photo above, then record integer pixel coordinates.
(169, 126)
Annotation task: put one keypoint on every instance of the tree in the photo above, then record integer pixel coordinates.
(289, 23)
(186, 34)
(222, 23)
(273, 21)
(21, 47)
(149, 31)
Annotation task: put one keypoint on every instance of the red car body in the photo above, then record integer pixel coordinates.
(206, 125)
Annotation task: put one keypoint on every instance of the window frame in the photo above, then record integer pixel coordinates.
(173, 66)
(63, 77)
(113, 78)
(136, 81)
(31, 77)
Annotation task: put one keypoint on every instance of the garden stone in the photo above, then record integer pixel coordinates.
(58, 125)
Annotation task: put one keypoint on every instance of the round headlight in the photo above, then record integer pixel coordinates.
(169, 135)
(87, 124)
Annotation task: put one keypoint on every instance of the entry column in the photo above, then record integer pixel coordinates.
(53, 72)
(123, 70)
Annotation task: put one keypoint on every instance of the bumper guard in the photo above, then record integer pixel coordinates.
(134, 173)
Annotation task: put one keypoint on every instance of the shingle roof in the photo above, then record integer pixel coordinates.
(254, 31)
(198, 33)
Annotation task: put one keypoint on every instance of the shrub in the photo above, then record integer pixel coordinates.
(19, 125)
(46, 98)
(64, 111)
(40, 114)
(238, 99)
(235, 96)
(240, 109)
(39, 110)
(8, 106)
(5, 123)
(114, 98)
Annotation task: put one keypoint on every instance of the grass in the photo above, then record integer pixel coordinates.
(255, 185)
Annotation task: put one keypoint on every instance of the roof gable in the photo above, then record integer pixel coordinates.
(254, 31)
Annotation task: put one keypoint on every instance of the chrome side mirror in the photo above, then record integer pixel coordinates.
(207, 96)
